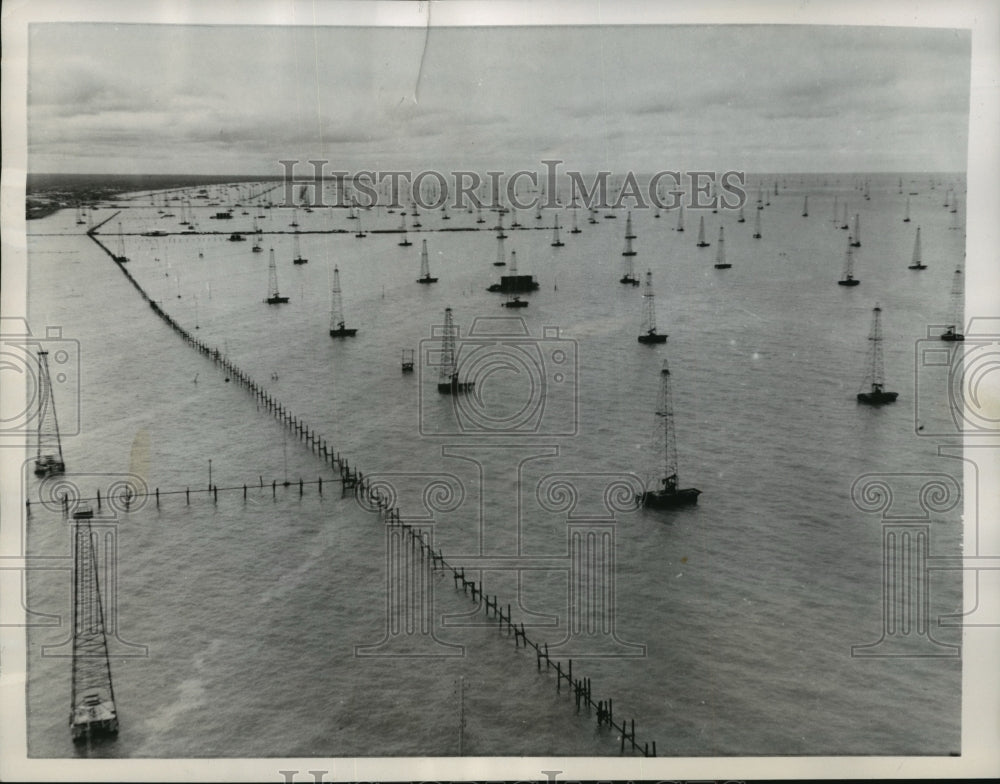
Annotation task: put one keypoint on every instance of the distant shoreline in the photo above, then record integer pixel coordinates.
(48, 193)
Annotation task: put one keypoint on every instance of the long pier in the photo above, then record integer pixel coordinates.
(352, 479)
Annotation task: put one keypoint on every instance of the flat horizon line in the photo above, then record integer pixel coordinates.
(307, 178)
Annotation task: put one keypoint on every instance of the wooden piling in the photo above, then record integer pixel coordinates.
(363, 488)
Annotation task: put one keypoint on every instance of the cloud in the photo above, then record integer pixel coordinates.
(496, 96)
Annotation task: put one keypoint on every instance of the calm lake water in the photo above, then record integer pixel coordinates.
(731, 624)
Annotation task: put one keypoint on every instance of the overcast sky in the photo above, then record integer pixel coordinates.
(234, 99)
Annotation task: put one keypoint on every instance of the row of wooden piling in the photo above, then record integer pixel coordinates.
(580, 687)
(128, 498)
(352, 479)
(317, 443)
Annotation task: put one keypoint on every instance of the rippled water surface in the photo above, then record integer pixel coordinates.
(733, 621)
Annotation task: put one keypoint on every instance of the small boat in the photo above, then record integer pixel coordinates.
(576, 229)
(856, 236)
(671, 495)
(515, 302)
(756, 227)
(425, 267)
(875, 380)
(648, 333)
(805, 207)
(741, 218)
(906, 219)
